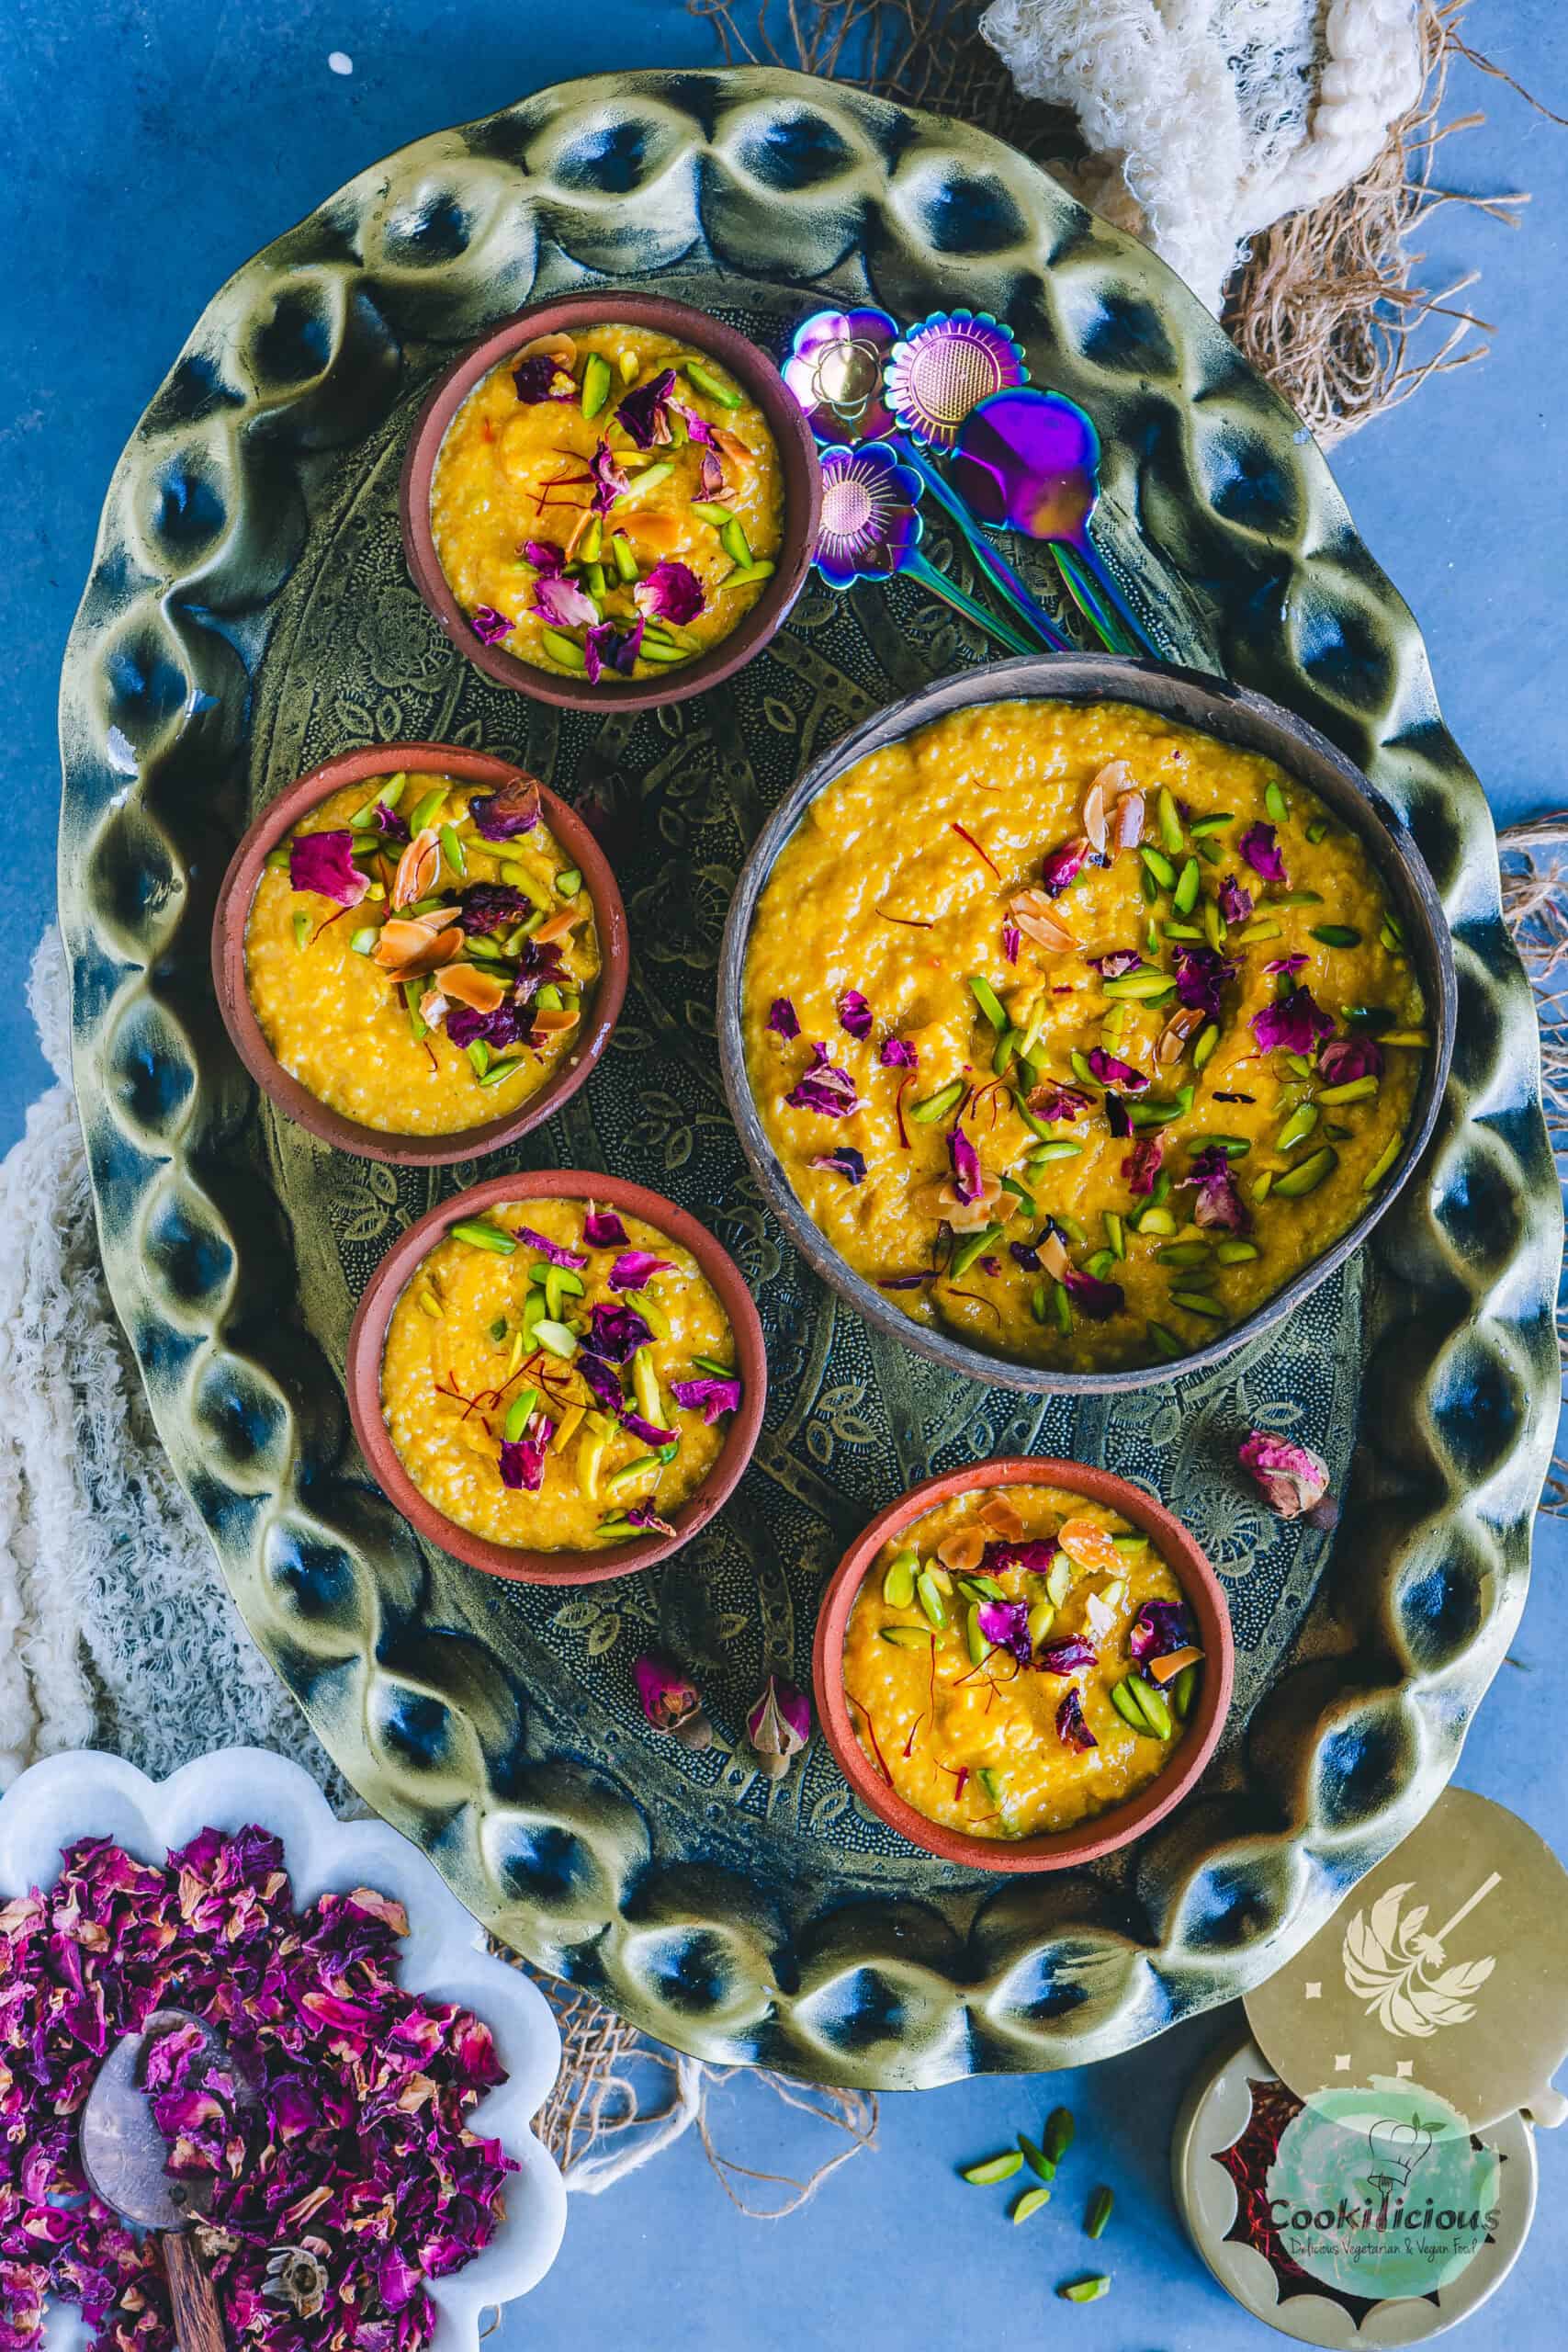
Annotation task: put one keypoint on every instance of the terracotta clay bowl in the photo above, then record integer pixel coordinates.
(232, 914)
(1211, 706)
(1088, 1840)
(802, 471)
(367, 1337)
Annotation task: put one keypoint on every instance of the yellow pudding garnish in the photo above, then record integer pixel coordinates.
(557, 1379)
(607, 503)
(1077, 1033)
(1018, 1660)
(418, 951)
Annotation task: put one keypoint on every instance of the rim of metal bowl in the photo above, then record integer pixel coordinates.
(1214, 706)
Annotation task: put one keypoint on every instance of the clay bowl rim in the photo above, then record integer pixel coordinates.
(1106, 1832)
(367, 1340)
(1211, 705)
(232, 917)
(798, 460)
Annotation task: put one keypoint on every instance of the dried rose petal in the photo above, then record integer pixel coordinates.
(1141, 1167)
(616, 1332)
(782, 1019)
(1200, 976)
(1219, 1204)
(513, 809)
(1116, 963)
(634, 1269)
(708, 1395)
(1295, 1025)
(967, 1179)
(605, 647)
(1012, 939)
(324, 863)
(671, 592)
(1056, 1105)
(603, 1229)
(523, 1459)
(1235, 900)
(1032, 1554)
(1159, 1627)
(645, 414)
(1005, 1625)
(1071, 1728)
(555, 1251)
(1063, 867)
(846, 1162)
(1098, 1300)
(824, 1088)
(609, 480)
(1344, 1058)
(1292, 1480)
(855, 1014)
(489, 626)
(542, 378)
(1111, 1071)
(1287, 964)
(562, 603)
(899, 1053)
(1259, 847)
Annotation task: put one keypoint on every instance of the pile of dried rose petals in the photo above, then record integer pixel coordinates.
(328, 2202)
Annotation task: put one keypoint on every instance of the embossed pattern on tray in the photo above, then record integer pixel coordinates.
(248, 612)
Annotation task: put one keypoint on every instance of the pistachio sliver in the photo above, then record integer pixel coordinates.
(715, 388)
(928, 1594)
(1030, 2202)
(1085, 2290)
(1381, 1164)
(1039, 2163)
(1100, 2206)
(1354, 1090)
(595, 384)
(927, 1113)
(906, 1637)
(519, 1413)
(650, 479)
(1335, 934)
(989, 1002)
(549, 1333)
(479, 1235)
(994, 2168)
(1308, 1175)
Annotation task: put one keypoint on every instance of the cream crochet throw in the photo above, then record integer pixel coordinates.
(1209, 119)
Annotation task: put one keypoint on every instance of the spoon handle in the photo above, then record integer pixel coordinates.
(1085, 554)
(198, 2322)
(999, 572)
(916, 568)
(1080, 587)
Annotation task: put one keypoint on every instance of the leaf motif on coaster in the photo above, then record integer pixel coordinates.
(1397, 1969)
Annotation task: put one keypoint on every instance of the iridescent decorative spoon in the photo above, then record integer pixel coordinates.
(835, 369)
(1028, 461)
(870, 529)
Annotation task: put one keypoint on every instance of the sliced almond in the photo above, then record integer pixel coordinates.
(1130, 821)
(480, 991)
(419, 869)
(731, 445)
(1052, 1256)
(962, 1553)
(411, 950)
(1032, 912)
(433, 1008)
(1172, 1043)
(551, 1021)
(560, 925)
(1094, 808)
(1174, 1662)
(558, 347)
(578, 531)
(1001, 1518)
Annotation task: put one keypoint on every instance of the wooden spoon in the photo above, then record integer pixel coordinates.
(124, 2154)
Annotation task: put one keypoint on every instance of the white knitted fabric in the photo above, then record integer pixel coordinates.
(115, 1628)
(1208, 120)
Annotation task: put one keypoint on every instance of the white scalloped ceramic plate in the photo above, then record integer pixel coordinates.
(88, 1794)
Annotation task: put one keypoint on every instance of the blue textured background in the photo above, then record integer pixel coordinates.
(152, 146)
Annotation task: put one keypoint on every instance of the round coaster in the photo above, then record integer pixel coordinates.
(1226, 2164)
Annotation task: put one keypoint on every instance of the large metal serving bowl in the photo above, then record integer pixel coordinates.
(1233, 716)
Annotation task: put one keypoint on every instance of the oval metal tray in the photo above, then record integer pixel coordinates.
(248, 612)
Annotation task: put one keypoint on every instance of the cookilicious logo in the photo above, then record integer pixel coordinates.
(1382, 2190)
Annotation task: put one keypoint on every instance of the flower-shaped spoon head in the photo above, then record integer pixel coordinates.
(944, 368)
(834, 370)
(871, 523)
(1028, 461)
